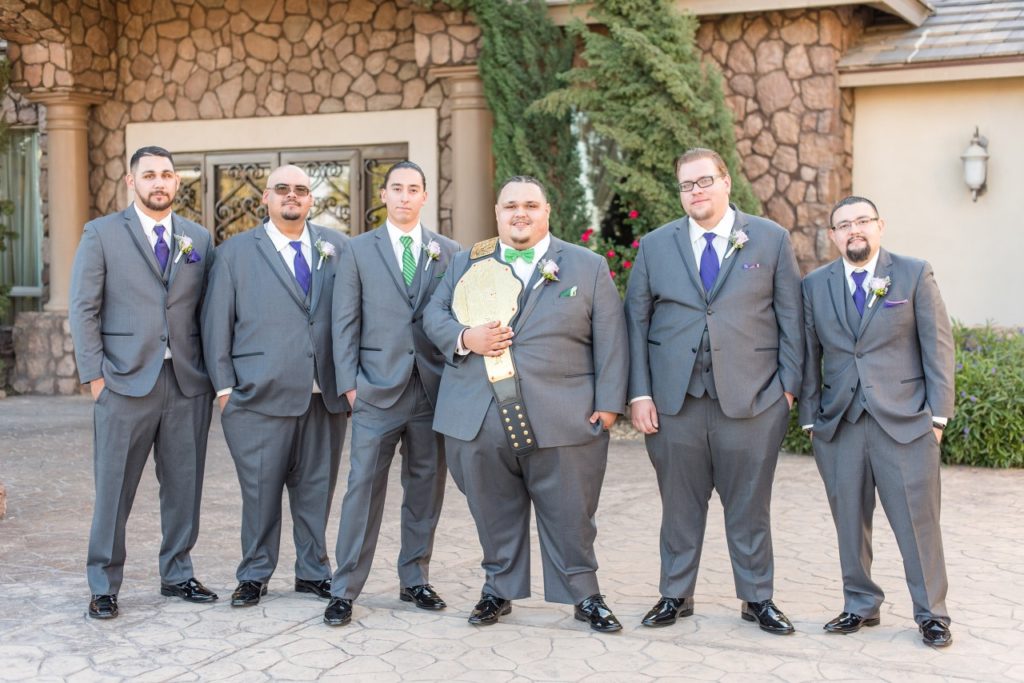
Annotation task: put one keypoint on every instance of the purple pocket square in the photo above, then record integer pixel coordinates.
(890, 303)
(748, 266)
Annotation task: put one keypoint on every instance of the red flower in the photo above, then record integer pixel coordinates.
(585, 237)
(627, 264)
(636, 244)
(610, 254)
(612, 273)
(634, 214)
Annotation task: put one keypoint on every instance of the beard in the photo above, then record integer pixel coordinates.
(157, 203)
(858, 253)
(291, 212)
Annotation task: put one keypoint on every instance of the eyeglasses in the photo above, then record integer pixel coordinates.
(861, 223)
(282, 190)
(705, 181)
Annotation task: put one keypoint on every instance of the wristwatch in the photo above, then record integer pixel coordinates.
(939, 426)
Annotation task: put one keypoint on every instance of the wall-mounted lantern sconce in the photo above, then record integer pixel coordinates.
(975, 159)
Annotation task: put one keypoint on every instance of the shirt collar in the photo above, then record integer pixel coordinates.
(539, 249)
(280, 240)
(723, 229)
(149, 223)
(395, 233)
(869, 267)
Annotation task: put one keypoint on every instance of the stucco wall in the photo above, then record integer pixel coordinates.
(907, 142)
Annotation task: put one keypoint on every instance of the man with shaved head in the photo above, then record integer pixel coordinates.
(267, 339)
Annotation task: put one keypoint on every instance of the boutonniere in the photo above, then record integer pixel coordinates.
(186, 249)
(433, 250)
(548, 272)
(736, 241)
(878, 286)
(325, 249)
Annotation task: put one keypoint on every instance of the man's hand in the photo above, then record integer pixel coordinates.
(938, 434)
(607, 419)
(223, 401)
(645, 416)
(96, 388)
(790, 398)
(489, 339)
(350, 396)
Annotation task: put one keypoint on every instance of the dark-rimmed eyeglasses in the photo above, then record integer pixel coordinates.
(704, 181)
(861, 223)
(283, 190)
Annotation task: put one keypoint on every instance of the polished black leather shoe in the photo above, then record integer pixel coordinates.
(338, 612)
(596, 613)
(103, 607)
(489, 609)
(321, 588)
(848, 622)
(248, 593)
(935, 633)
(190, 590)
(769, 617)
(667, 611)
(425, 597)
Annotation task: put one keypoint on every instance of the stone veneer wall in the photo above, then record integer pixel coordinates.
(794, 127)
(46, 356)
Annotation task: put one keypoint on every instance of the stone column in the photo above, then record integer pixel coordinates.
(67, 150)
(472, 161)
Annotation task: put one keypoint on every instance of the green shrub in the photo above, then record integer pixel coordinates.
(987, 428)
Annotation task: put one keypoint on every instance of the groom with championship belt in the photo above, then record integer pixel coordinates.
(532, 331)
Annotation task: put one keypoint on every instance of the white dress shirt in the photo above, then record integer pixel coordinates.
(395, 234)
(721, 242)
(148, 227)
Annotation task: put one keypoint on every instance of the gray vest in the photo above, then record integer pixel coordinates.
(702, 379)
(859, 403)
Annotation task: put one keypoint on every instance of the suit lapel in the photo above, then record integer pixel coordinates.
(838, 292)
(176, 229)
(535, 291)
(387, 256)
(265, 247)
(727, 263)
(134, 228)
(316, 268)
(426, 265)
(883, 269)
(686, 252)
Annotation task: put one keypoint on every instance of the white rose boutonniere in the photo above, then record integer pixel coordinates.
(326, 251)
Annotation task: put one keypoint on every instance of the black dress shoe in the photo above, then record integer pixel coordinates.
(667, 611)
(596, 613)
(769, 617)
(848, 622)
(103, 607)
(248, 593)
(489, 609)
(338, 612)
(933, 633)
(321, 588)
(424, 596)
(190, 590)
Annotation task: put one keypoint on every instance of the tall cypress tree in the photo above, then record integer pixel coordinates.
(643, 87)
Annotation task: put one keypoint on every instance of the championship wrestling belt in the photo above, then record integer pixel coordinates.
(486, 292)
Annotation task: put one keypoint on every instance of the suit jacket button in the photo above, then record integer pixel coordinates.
(309, 354)
(710, 311)
(163, 337)
(860, 354)
(311, 323)
(411, 351)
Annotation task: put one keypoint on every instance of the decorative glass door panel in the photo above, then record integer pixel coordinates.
(238, 181)
(333, 186)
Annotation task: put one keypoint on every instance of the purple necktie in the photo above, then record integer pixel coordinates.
(163, 252)
(302, 274)
(858, 291)
(709, 264)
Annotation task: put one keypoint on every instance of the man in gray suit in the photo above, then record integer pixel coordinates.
(136, 287)
(385, 279)
(267, 339)
(876, 412)
(566, 341)
(715, 343)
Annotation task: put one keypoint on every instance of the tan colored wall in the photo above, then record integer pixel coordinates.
(907, 145)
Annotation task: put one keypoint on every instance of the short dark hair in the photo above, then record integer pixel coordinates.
(405, 164)
(150, 151)
(524, 179)
(697, 153)
(852, 199)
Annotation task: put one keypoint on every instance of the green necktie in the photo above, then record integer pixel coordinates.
(512, 254)
(408, 261)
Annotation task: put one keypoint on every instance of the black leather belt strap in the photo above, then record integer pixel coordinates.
(514, 420)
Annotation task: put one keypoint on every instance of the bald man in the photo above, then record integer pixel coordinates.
(267, 339)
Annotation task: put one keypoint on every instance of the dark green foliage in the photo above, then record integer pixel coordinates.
(643, 87)
(521, 57)
(987, 428)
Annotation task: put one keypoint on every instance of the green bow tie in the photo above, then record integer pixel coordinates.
(512, 254)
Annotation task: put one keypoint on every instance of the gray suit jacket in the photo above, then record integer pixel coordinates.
(753, 316)
(568, 352)
(260, 336)
(378, 331)
(902, 354)
(124, 315)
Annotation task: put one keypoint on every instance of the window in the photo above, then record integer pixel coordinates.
(21, 263)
